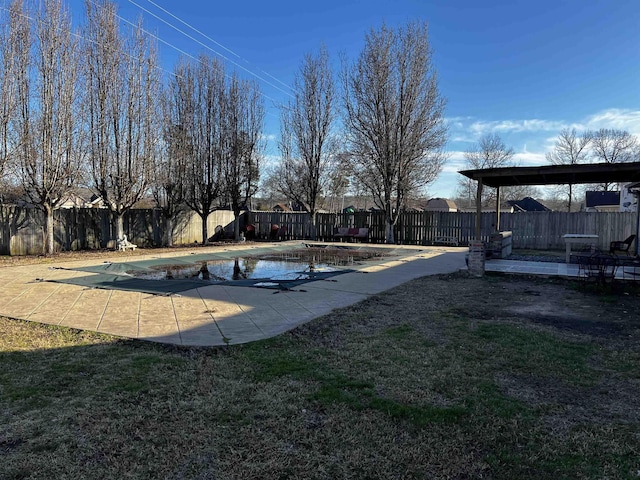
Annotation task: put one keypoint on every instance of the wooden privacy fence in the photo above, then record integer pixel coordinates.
(544, 230)
(22, 229)
(420, 228)
(297, 224)
(536, 230)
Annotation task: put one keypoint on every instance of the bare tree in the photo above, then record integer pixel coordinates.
(270, 186)
(243, 120)
(121, 98)
(201, 91)
(167, 184)
(13, 32)
(306, 142)
(555, 197)
(47, 125)
(339, 182)
(613, 146)
(394, 117)
(489, 152)
(571, 148)
(169, 171)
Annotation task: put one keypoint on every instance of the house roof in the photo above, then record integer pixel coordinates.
(282, 207)
(599, 199)
(528, 204)
(557, 174)
(441, 203)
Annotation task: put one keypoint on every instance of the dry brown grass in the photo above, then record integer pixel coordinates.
(443, 377)
(70, 256)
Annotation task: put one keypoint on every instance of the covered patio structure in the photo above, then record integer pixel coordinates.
(553, 175)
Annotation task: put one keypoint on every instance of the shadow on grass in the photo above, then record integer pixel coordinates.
(412, 383)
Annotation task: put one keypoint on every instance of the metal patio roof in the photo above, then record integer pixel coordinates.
(557, 174)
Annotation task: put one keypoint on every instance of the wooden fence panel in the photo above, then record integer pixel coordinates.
(22, 232)
(22, 229)
(298, 224)
(544, 230)
(187, 227)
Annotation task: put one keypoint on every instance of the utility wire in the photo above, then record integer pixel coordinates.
(192, 57)
(216, 43)
(79, 36)
(211, 49)
(169, 44)
(194, 29)
(157, 67)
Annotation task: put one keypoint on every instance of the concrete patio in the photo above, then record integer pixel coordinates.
(212, 314)
(551, 269)
(225, 314)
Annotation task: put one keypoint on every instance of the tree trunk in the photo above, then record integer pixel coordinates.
(389, 238)
(205, 230)
(314, 228)
(49, 245)
(169, 231)
(119, 226)
(236, 226)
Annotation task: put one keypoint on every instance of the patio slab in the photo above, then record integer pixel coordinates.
(549, 269)
(212, 314)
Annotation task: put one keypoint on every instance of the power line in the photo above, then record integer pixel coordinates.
(192, 57)
(215, 42)
(169, 44)
(146, 32)
(211, 49)
(194, 29)
(79, 36)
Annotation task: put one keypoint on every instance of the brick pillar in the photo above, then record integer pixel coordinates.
(476, 258)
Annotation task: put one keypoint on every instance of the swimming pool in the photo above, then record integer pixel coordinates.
(240, 268)
(263, 268)
(298, 264)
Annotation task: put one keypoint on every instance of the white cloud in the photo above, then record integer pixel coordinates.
(470, 129)
(270, 161)
(516, 126)
(458, 119)
(620, 119)
(528, 159)
(270, 137)
(539, 134)
(549, 142)
(444, 186)
(455, 162)
(457, 122)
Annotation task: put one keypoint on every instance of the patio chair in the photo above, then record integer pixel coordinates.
(124, 244)
(218, 234)
(587, 268)
(623, 246)
(599, 266)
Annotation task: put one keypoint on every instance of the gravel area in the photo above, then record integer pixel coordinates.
(537, 258)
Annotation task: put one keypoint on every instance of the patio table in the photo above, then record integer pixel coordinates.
(599, 266)
(630, 267)
(571, 238)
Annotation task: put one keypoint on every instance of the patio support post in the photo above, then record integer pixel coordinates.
(497, 208)
(479, 208)
(637, 195)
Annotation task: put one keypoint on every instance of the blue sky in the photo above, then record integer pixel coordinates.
(521, 69)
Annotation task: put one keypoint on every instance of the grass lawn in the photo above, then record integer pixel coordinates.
(443, 377)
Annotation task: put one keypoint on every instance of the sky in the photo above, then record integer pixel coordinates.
(524, 70)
